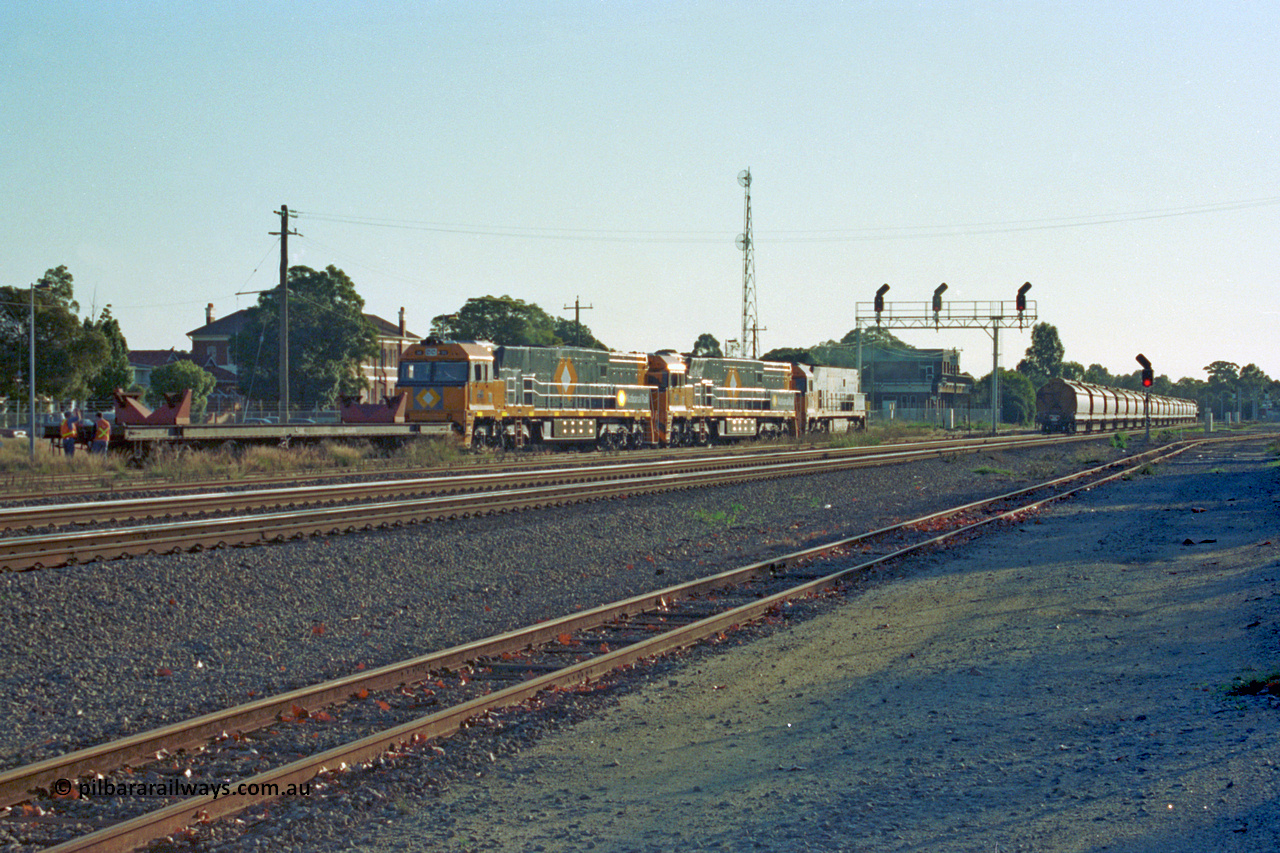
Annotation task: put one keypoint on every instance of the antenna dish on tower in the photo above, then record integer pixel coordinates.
(744, 178)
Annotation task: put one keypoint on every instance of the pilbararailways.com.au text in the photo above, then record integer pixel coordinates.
(185, 788)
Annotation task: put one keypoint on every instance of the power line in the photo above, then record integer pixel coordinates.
(828, 235)
(533, 233)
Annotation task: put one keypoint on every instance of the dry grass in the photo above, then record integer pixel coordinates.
(877, 434)
(22, 471)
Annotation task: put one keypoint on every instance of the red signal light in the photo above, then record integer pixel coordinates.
(1148, 375)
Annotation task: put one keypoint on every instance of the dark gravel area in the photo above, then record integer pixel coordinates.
(98, 651)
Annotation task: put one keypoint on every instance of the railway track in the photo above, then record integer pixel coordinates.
(101, 530)
(469, 684)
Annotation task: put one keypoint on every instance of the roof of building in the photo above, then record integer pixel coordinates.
(156, 357)
(387, 329)
(225, 327)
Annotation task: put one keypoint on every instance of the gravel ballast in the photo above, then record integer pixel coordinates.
(101, 650)
(1062, 686)
(98, 651)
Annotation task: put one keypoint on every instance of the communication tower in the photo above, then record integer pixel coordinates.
(750, 312)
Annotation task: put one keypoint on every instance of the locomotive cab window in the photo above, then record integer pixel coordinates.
(450, 372)
(412, 372)
(433, 372)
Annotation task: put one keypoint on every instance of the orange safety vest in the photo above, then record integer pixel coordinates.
(68, 429)
(104, 430)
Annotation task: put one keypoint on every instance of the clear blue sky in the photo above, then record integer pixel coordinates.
(1121, 156)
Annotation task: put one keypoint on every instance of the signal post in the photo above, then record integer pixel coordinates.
(937, 314)
(1148, 378)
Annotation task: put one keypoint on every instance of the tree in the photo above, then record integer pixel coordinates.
(788, 354)
(1072, 370)
(500, 320)
(1251, 382)
(68, 354)
(175, 378)
(872, 336)
(1017, 397)
(1223, 379)
(115, 371)
(1098, 375)
(576, 334)
(1191, 389)
(706, 346)
(329, 340)
(1044, 356)
(1161, 385)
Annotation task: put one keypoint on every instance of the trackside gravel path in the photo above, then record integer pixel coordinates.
(1059, 686)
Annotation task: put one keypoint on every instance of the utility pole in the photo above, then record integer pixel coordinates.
(578, 308)
(284, 233)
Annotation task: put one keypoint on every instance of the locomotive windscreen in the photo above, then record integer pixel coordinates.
(433, 372)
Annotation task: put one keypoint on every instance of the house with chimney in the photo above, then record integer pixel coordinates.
(143, 361)
(211, 349)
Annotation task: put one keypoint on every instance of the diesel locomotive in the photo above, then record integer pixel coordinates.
(1067, 406)
(511, 396)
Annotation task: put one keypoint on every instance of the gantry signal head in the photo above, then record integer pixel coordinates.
(1022, 296)
(880, 300)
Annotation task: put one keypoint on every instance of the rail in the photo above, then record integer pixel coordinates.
(76, 533)
(811, 573)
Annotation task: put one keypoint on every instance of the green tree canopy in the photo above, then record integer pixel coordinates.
(875, 335)
(1017, 397)
(1223, 373)
(1253, 382)
(576, 334)
(69, 354)
(1189, 388)
(1044, 357)
(706, 346)
(115, 371)
(175, 378)
(501, 320)
(791, 354)
(1098, 375)
(329, 340)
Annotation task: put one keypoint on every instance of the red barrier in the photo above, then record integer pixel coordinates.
(175, 410)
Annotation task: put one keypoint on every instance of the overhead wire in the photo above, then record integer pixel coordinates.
(792, 236)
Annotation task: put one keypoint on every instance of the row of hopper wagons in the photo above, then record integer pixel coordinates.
(1068, 406)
